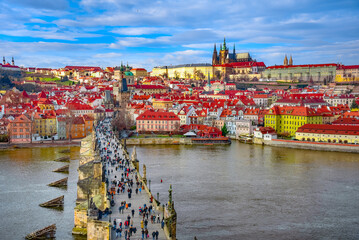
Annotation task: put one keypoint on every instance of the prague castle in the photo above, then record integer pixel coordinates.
(226, 57)
(225, 65)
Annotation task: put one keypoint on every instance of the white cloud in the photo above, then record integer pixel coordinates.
(134, 31)
(108, 55)
(52, 33)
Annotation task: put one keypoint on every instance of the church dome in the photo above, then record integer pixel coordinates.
(128, 73)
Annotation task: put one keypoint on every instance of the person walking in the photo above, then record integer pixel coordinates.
(146, 233)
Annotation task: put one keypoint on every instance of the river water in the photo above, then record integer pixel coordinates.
(24, 175)
(254, 192)
(220, 192)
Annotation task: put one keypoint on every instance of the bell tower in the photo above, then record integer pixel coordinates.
(290, 61)
(285, 62)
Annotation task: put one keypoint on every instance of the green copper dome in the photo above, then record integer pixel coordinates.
(128, 73)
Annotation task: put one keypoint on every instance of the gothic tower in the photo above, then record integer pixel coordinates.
(12, 61)
(214, 57)
(124, 94)
(285, 62)
(3, 61)
(234, 52)
(223, 53)
(290, 61)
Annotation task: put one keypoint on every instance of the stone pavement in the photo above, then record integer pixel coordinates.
(136, 200)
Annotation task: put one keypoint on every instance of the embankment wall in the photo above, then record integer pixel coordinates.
(310, 145)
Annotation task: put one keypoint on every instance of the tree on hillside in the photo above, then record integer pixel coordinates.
(224, 130)
(28, 87)
(5, 83)
(64, 79)
(354, 105)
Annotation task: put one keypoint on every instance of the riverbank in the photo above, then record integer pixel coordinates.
(176, 141)
(319, 146)
(40, 145)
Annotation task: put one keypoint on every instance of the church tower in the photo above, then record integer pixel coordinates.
(214, 57)
(285, 62)
(3, 61)
(234, 52)
(223, 53)
(290, 61)
(124, 94)
(12, 61)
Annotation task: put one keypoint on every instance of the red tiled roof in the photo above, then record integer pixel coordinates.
(138, 69)
(152, 115)
(83, 68)
(307, 65)
(293, 110)
(329, 129)
(348, 67)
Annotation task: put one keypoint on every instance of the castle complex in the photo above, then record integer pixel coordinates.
(225, 57)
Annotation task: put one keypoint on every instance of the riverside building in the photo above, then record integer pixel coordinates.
(328, 133)
(289, 119)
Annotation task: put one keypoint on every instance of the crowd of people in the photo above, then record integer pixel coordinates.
(121, 180)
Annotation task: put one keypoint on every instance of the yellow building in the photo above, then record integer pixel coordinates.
(139, 72)
(348, 74)
(162, 103)
(44, 124)
(328, 133)
(185, 71)
(289, 119)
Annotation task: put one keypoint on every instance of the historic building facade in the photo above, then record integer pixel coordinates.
(299, 73)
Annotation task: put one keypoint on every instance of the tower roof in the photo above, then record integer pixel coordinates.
(224, 44)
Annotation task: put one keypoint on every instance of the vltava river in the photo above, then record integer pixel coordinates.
(220, 192)
(24, 175)
(254, 192)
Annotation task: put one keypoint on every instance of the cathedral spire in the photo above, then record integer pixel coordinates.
(285, 62)
(214, 56)
(224, 44)
(234, 50)
(290, 61)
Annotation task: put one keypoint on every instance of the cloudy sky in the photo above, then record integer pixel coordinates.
(49, 33)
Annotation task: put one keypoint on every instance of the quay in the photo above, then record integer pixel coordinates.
(113, 198)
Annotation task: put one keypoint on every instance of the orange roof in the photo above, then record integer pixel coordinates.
(152, 115)
(329, 129)
(293, 110)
